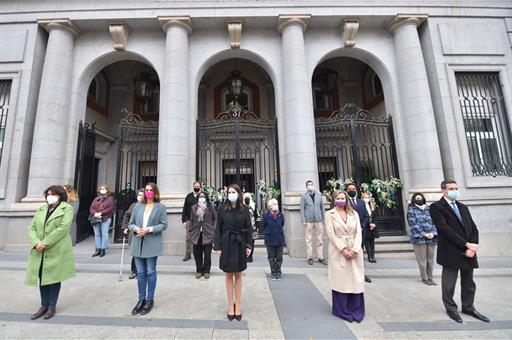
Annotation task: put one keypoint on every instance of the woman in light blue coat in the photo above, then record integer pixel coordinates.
(148, 220)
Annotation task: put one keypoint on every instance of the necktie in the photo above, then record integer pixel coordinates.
(354, 203)
(456, 210)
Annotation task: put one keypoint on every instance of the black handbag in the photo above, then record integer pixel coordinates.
(94, 220)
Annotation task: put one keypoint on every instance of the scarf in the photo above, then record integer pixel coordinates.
(422, 207)
(201, 208)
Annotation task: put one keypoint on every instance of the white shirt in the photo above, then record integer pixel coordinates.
(146, 219)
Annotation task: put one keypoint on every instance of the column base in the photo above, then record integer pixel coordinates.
(174, 236)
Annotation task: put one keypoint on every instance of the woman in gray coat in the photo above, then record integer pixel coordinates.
(147, 222)
(203, 220)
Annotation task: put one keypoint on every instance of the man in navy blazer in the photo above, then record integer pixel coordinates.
(456, 250)
(359, 206)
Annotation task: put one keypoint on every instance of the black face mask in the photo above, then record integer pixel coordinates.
(352, 194)
(197, 189)
(420, 201)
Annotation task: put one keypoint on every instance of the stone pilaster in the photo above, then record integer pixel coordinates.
(52, 118)
(422, 167)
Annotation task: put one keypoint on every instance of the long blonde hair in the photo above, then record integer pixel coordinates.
(72, 193)
(349, 209)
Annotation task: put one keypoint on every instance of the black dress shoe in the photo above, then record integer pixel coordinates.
(96, 253)
(367, 279)
(476, 315)
(374, 260)
(187, 257)
(40, 312)
(454, 316)
(238, 317)
(102, 252)
(148, 306)
(132, 276)
(138, 307)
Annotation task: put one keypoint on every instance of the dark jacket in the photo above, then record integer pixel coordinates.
(273, 227)
(190, 200)
(364, 218)
(206, 226)
(103, 204)
(233, 237)
(453, 235)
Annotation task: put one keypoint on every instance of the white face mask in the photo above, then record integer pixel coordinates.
(52, 199)
(202, 200)
(103, 191)
(311, 188)
(140, 198)
(275, 208)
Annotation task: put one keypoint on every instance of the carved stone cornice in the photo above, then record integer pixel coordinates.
(119, 32)
(403, 19)
(348, 29)
(62, 24)
(288, 19)
(183, 21)
(235, 33)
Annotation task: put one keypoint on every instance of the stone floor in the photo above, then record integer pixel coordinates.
(96, 304)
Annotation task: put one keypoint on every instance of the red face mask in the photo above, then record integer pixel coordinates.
(149, 194)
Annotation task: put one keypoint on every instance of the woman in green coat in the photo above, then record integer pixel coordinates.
(51, 259)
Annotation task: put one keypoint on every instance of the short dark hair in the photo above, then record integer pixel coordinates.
(153, 186)
(349, 184)
(447, 181)
(418, 194)
(309, 181)
(239, 200)
(198, 182)
(57, 190)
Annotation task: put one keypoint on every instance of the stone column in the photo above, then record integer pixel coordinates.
(53, 109)
(298, 127)
(299, 123)
(174, 173)
(423, 168)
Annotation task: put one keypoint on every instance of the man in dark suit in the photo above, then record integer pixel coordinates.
(359, 206)
(190, 200)
(456, 250)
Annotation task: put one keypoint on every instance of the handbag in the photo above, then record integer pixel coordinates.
(94, 220)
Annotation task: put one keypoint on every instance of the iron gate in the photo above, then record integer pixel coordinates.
(256, 143)
(352, 143)
(136, 162)
(86, 177)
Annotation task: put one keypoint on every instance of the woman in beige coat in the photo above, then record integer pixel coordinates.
(346, 269)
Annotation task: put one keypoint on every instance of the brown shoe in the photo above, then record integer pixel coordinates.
(50, 313)
(207, 275)
(40, 312)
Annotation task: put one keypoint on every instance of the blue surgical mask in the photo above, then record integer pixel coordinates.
(232, 197)
(453, 194)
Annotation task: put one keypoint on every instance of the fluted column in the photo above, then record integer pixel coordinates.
(52, 118)
(423, 167)
(298, 118)
(174, 134)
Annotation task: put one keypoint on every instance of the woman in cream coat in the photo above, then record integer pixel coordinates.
(346, 269)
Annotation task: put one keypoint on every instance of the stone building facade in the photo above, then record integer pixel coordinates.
(441, 69)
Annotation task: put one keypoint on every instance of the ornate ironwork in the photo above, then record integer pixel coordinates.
(352, 112)
(353, 143)
(133, 119)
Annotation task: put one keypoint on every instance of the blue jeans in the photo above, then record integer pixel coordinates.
(146, 276)
(101, 234)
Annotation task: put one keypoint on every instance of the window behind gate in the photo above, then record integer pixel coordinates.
(486, 124)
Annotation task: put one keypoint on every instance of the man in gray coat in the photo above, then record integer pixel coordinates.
(312, 214)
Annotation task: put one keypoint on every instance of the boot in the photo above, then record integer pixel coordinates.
(49, 313)
(40, 312)
(96, 253)
(102, 252)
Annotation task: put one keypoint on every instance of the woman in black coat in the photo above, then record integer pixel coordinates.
(233, 244)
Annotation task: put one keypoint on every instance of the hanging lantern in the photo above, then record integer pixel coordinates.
(145, 88)
(235, 84)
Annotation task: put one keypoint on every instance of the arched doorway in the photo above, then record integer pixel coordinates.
(354, 133)
(237, 128)
(118, 141)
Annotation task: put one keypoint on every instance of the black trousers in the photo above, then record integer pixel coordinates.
(275, 258)
(467, 288)
(369, 244)
(49, 293)
(202, 256)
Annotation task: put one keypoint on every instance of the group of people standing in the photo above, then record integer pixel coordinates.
(229, 231)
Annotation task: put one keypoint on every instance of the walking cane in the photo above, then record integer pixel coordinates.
(122, 259)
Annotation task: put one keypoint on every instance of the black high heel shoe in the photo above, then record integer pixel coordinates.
(231, 316)
(238, 316)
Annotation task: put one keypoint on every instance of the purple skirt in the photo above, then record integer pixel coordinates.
(348, 306)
